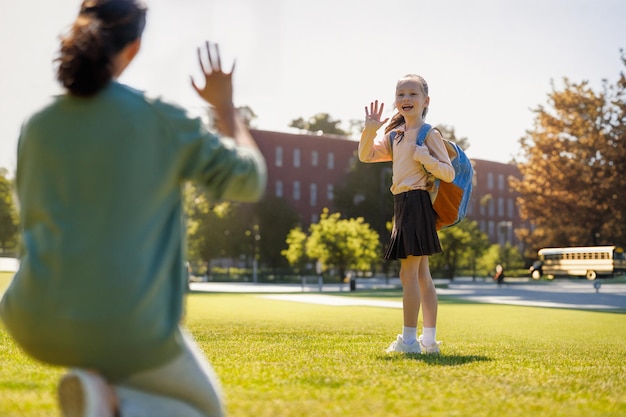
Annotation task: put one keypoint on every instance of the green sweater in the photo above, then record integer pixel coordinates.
(102, 279)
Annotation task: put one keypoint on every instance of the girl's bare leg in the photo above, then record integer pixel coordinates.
(409, 270)
(428, 294)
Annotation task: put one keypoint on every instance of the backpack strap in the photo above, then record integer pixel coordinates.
(423, 134)
(392, 136)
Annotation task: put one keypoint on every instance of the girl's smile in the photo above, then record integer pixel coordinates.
(410, 98)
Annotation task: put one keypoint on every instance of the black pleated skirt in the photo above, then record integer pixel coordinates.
(414, 231)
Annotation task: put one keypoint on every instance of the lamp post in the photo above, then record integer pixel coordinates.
(257, 238)
(504, 232)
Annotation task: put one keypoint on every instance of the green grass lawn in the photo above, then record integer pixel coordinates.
(281, 358)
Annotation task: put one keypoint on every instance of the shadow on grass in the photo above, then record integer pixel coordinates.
(435, 360)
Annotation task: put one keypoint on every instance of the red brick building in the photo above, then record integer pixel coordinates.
(493, 203)
(304, 169)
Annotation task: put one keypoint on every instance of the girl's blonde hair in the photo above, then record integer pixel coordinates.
(398, 119)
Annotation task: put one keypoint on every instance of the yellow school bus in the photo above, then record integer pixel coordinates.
(590, 262)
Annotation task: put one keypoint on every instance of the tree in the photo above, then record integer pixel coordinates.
(462, 244)
(246, 113)
(356, 126)
(508, 256)
(321, 122)
(8, 214)
(365, 193)
(296, 252)
(573, 163)
(222, 230)
(448, 133)
(336, 243)
(479, 244)
(276, 218)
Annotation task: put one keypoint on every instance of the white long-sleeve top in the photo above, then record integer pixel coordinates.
(408, 173)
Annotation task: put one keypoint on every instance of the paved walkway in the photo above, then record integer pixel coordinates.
(9, 264)
(575, 294)
(557, 294)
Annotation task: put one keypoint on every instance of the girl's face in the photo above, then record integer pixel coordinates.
(410, 98)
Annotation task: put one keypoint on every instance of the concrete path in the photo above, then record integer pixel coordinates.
(9, 264)
(556, 294)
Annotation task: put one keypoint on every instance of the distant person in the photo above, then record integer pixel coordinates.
(99, 175)
(499, 276)
(414, 235)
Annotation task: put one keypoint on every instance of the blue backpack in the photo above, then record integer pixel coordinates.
(450, 199)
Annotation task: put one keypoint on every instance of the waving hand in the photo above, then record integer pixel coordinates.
(373, 115)
(218, 85)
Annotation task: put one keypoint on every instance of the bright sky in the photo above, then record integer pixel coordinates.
(488, 62)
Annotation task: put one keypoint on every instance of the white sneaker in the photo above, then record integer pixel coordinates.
(399, 346)
(432, 349)
(84, 394)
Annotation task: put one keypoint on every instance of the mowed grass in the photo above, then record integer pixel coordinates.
(281, 358)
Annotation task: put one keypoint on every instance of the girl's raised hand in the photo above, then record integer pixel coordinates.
(373, 115)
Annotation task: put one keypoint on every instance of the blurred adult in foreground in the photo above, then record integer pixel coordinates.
(100, 168)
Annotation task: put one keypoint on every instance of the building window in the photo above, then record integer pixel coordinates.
(491, 230)
(490, 180)
(330, 192)
(500, 206)
(491, 209)
(279, 188)
(500, 182)
(296, 190)
(314, 218)
(511, 208)
(314, 158)
(358, 199)
(331, 160)
(279, 156)
(296, 158)
(313, 195)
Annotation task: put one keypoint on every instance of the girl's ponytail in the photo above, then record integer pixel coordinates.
(102, 29)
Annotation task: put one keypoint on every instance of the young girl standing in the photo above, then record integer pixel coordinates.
(414, 236)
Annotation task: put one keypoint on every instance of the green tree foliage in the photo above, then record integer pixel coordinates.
(479, 244)
(462, 245)
(207, 228)
(508, 256)
(321, 122)
(232, 230)
(573, 164)
(295, 253)
(8, 214)
(276, 218)
(449, 133)
(365, 193)
(344, 244)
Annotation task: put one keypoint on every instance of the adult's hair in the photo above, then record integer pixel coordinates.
(102, 29)
(398, 119)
